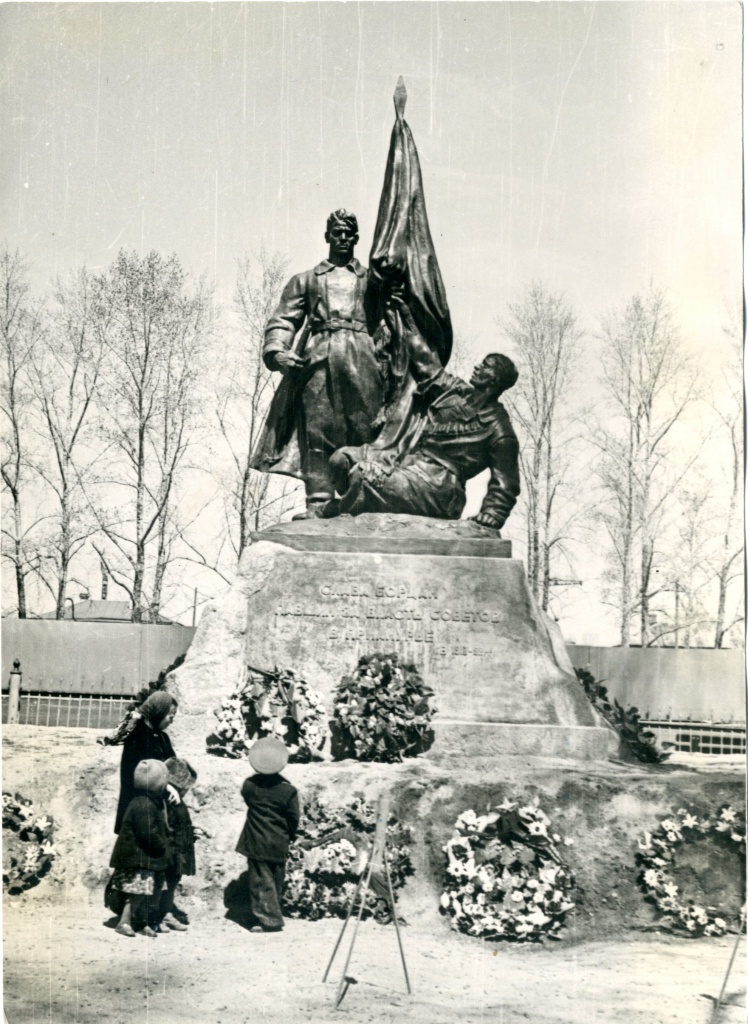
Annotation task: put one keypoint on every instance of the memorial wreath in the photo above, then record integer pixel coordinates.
(276, 703)
(330, 854)
(382, 710)
(505, 879)
(657, 856)
(28, 850)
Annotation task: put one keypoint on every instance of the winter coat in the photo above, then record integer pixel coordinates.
(272, 818)
(143, 840)
(183, 838)
(141, 744)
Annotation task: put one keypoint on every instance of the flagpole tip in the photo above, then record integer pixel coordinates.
(400, 97)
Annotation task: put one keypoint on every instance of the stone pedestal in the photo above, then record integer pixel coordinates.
(446, 596)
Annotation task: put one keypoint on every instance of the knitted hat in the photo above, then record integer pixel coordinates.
(151, 776)
(181, 774)
(268, 755)
(156, 706)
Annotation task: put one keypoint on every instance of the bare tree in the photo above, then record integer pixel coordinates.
(546, 346)
(242, 394)
(65, 367)
(22, 329)
(154, 332)
(728, 562)
(648, 383)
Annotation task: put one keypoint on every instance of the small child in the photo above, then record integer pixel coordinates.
(181, 776)
(272, 820)
(143, 851)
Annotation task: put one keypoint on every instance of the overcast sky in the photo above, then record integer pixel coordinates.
(596, 146)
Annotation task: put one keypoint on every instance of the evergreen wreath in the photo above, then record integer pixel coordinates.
(382, 710)
(657, 855)
(329, 855)
(626, 721)
(276, 703)
(505, 879)
(28, 850)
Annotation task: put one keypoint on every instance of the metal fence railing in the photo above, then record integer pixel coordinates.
(700, 737)
(80, 711)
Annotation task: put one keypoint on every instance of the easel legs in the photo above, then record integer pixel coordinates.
(717, 1005)
(361, 890)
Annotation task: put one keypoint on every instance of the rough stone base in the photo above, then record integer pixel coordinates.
(493, 739)
(316, 596)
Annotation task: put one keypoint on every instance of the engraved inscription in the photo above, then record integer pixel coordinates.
(369, 613)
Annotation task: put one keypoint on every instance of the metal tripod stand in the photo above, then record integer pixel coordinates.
(378, 862)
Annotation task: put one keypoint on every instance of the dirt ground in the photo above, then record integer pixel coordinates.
(62, 964)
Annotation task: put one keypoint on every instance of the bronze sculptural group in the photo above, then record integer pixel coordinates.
(366, 414)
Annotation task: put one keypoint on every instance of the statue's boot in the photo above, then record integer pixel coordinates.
(318, 484)
(314, 510)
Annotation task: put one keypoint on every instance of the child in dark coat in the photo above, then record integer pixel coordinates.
(272, 821)
(181, 776)
(143, 851)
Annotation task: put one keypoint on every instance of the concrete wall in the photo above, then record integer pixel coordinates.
(89, 657)
(702, 685)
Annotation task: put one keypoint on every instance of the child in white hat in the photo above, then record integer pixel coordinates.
(272, 821)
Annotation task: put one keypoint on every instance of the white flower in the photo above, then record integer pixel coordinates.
(468, 820)
(537, 918)
(651, 878)
(445, 900)
(689, 821)
(671, 889)
(727, 814)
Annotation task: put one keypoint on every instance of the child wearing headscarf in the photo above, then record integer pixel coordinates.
(181, 776)
(145, 739)
(142, 853)
(272, 821)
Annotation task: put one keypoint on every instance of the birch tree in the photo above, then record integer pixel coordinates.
(21, 331)
(647, 383)
(243, 390)
(154, 329)
(546, 341)
(65, 368)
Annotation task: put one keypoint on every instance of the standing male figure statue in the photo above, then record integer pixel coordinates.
(320, 339)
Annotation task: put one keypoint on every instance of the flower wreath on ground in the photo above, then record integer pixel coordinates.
(657, 854)
(331, 852)
(276, 703)
(505, 879)
(28, 850)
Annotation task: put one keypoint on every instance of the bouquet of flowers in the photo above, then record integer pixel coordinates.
(276, 703)
(28, 849)
(331, 852)
(382, 711)
(657, 855)
(505, 879)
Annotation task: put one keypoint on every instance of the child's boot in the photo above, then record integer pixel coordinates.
(125, 922)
